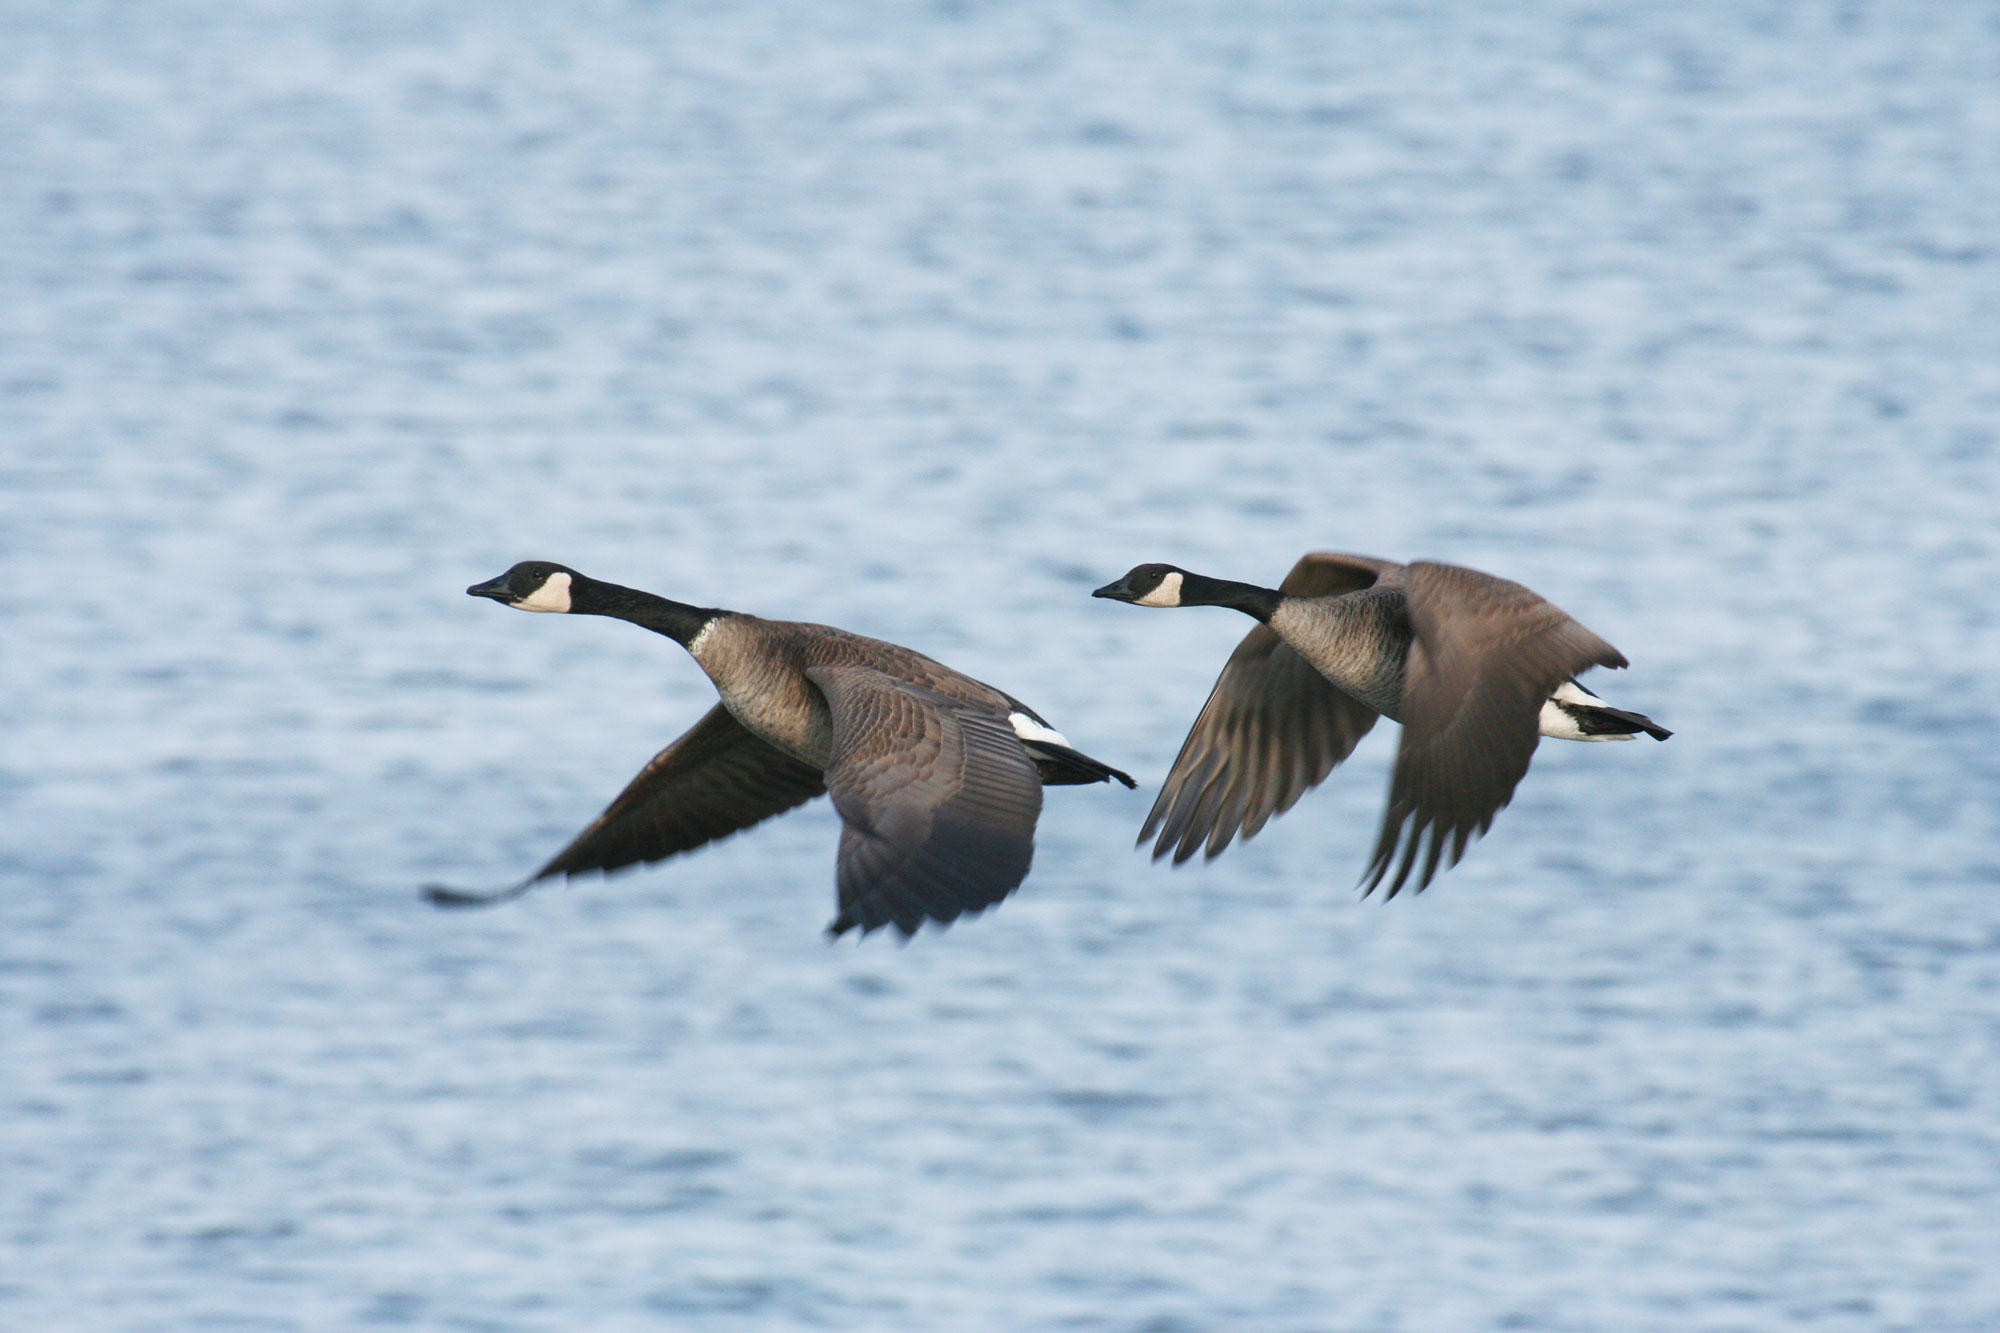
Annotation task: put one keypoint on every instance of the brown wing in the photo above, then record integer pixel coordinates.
(1487, 652)
(1272, 728)
(937, 798)
(716, 780)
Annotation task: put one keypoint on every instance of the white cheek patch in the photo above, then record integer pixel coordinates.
(1030, 730)
(1167, 594)
(553, 595)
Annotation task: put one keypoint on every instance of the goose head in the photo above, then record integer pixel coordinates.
(532, 585)
(1147, 585)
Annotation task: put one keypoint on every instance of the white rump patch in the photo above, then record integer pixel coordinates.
(1030, 730)
(553, 595)
(1167, 594)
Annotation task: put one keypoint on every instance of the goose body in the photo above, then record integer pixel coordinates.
(1476, 668)
(937, 777)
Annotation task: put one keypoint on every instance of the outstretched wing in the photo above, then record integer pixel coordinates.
(1487, 652)
(1272, 728)
(937, 798)
(716, 780)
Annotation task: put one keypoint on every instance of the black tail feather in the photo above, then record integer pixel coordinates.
(1061, 766)
(1639, 721)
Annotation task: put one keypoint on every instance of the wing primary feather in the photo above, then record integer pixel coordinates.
(443, 895)
(714, 780)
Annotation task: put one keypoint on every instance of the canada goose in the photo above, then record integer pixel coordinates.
(938, 778)
(1476, 668)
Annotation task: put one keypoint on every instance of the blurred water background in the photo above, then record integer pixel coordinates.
(924, 319)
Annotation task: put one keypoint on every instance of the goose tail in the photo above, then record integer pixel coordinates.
(1573, 713)
(1060, 766)
(1059, 763)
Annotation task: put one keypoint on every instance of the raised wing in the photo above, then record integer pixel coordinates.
(716, 780)
(1487, 653)
(937, 798)
(1272, 728)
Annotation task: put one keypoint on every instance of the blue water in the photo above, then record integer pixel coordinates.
(923, 321)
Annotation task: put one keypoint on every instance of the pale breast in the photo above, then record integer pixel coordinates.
(1358, 641)
(756, 673)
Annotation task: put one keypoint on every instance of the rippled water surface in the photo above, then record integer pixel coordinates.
(924, 321)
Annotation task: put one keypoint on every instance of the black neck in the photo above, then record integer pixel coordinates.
(1253, 601)
(677, 620)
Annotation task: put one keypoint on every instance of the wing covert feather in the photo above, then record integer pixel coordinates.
(1487, 652)
(937, 798)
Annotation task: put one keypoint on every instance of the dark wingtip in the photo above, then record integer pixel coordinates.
(1126, 778)
(443, 895)
(840, 925)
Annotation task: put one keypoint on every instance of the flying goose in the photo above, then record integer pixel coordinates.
(937, 777)
(1476, 668)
